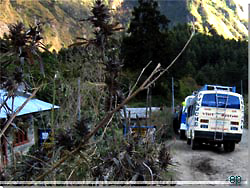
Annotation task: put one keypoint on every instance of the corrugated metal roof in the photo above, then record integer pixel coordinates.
(140, 112)
(34, 105)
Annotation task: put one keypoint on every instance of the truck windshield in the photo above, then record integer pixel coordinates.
(221, 101)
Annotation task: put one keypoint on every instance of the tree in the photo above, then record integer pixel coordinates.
(146, 38)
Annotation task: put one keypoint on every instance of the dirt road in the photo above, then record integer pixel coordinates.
(209, 163)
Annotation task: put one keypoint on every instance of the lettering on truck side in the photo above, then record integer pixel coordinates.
(222, 115)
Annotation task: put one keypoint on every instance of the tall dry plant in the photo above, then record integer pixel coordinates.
(18, 49)
(20, 46)
(80, 87)
(106, 45)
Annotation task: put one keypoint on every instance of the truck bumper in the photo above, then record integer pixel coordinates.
(209, 136)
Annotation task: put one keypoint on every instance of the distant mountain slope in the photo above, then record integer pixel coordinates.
(227, 17)
(61, 18)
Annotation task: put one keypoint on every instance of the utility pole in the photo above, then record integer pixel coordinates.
(173, 94)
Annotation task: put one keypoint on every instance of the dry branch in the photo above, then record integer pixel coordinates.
(171, 64)
(17, 111)
(4, 102)
(132, 90)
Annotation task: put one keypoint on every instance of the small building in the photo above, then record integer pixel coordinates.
(136, 118)
(21, 133)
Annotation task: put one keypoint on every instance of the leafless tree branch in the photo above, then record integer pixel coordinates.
(139, 78)
(171, 64)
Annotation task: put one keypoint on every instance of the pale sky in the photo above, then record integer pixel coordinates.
(244, 4)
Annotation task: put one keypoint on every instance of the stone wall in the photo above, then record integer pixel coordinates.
(21, 149)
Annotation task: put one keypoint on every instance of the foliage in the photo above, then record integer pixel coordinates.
(71, 137)
(187, 86)
(134, 161)
(163, 120)
(211, 60)
(146, 38)
(30, 164)
(208, 60)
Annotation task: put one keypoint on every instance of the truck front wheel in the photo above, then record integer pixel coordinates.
(182, 135)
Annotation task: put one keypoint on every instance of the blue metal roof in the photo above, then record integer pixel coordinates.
(34, 105)
(139, 112)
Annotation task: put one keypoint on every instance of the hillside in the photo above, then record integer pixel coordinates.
(60, 17)
(227, 17)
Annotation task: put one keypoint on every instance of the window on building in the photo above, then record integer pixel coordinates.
(21, 137)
